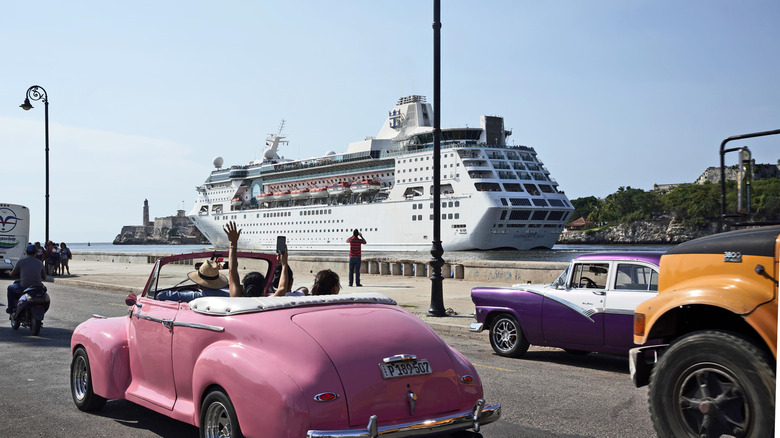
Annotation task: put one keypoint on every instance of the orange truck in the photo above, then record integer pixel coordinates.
(708, 340)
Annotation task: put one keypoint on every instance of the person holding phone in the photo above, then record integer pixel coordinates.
(355, 255)
(254, 282)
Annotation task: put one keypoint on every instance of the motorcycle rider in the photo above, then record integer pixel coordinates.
(31, 273)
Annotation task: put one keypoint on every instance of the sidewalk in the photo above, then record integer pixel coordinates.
(411, 293)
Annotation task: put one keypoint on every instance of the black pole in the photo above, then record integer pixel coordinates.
(36, 92)
(437, 297)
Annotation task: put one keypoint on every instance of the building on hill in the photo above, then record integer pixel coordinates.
(760, 171)
(168, 230)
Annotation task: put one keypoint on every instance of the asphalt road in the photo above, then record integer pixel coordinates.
(548, 393)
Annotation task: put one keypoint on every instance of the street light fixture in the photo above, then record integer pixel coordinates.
(36, 92)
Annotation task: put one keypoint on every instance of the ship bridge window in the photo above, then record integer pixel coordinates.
(532, 189)
(487, 187)
(506, 175)
(546, 188)
(500, 165)
(511, 187)
(519, 215)
(556, 203)
(555, 215)
(539, 215)
(481, 174)
(539, 202)
(520, 202)
(518, 165)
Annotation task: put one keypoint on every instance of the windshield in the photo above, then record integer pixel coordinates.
(174, 275)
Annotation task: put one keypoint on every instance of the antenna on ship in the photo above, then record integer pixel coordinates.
(272, 142)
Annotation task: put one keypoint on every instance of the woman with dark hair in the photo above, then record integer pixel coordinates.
(254, 282)
(326, 282)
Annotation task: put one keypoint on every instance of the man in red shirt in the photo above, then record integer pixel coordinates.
(354, 256)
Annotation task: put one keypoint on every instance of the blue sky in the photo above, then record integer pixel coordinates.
(143, 95)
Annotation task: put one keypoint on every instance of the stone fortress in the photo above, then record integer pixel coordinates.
(169, 230)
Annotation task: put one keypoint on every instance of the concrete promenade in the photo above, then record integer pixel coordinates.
(128, 273)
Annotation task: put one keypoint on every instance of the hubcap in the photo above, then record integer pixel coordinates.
(217, 421)
(505, 335)
(80, 378)
(711, 402)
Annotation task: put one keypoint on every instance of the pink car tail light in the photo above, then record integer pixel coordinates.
(326, 397)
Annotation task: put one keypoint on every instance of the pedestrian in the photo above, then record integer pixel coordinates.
(354, 256)
(65, 256)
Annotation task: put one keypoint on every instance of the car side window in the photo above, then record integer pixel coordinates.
(589, 275)
(636, 277)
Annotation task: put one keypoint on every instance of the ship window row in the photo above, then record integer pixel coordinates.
(444, 216)
(444, 204)
(534, 215)
(275, 214)
(298, 231)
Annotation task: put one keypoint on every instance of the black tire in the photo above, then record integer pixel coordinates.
(81, 383)
(218, 417)
(35, 326)
(713, 384)
(507, 338)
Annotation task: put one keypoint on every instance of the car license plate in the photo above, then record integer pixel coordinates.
(405, 368)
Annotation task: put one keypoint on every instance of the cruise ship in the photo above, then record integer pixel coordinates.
(493, 196)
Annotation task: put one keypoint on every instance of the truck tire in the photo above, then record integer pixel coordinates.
(711, 384)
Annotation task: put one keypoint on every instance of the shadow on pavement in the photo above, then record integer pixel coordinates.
(137, 417)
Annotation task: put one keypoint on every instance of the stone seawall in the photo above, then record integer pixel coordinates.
(498, 272)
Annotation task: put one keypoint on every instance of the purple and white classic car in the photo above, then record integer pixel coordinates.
(589, 307)
(349, 365)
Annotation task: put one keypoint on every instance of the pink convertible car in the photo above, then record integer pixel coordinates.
(350, 365)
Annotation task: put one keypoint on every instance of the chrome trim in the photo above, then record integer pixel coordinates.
(195, 325)
(478, 416)
(476, 327)
(399, 358)
(95, 315)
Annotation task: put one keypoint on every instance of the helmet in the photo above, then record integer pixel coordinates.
(31, 249)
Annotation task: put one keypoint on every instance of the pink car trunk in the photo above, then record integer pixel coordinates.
(367, 392)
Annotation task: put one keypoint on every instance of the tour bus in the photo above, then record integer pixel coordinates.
(14, 233)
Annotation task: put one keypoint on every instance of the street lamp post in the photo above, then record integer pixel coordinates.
(36, 92)
(437, 296)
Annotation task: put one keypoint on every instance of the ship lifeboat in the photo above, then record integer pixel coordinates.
(281, 196)
(366, 186)
(321, 192)
(264, 197)
(299, 194)
(339, 189)
(237, 201)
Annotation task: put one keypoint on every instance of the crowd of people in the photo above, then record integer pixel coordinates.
(55, 256)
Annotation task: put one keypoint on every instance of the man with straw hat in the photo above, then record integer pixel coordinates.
(208, 278)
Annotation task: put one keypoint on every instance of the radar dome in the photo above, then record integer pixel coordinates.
(269, 154)
(329, 153)
(218, 162)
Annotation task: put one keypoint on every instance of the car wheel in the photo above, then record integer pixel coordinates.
(712, 384)
(217, 417)
(507, 338)
(35, 326)
(81, 383)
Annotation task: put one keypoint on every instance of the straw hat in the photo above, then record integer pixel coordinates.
(208, 275)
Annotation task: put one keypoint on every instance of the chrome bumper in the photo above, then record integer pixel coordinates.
(477, 417)
(641, 361)
(476, 327)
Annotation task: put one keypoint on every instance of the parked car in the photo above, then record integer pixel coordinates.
(589, 307)
(337, 365)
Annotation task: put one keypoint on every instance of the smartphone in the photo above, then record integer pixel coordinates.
(281, 244)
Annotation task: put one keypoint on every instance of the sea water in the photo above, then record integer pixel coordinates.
(558, 253)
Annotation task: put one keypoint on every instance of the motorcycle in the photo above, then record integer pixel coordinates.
(30, 308)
